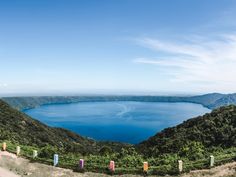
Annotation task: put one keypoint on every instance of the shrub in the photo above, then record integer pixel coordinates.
(48, 152)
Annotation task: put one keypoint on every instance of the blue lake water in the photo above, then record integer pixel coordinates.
(124, 121)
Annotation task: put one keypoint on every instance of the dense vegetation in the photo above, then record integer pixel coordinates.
(211, 101)
(215, 129)
(192, 141)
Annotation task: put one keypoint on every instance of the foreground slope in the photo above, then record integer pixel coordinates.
(12, 166)
(215, 129)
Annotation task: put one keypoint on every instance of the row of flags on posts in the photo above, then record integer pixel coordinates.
(111, 164)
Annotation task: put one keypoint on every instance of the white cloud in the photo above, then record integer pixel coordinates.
(3, 85)
(210, 62)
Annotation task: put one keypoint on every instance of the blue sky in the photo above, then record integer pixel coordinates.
(117, 46)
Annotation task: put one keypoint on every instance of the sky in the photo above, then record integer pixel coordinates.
(117, 47)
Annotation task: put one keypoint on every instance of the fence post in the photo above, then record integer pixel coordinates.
(55, 160)
(212, 160)
(81, 164)
(145, 166)
(17, 150)
(112, 166)
(4, 146)
(35, 154)
(180, 165)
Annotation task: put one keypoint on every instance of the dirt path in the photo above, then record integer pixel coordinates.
(4, 173)
(227, 170)
(13, 166)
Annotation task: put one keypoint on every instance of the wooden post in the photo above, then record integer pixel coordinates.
(17, 150)
(55, 160)
(4, 146)
(81, 164)
(180, 165)
(112, 166)
(145, 166)
(35, 154)
(212, 161)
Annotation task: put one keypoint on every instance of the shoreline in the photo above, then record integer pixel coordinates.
(65, 103)
(25, 103)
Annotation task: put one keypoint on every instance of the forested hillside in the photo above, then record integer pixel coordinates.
(215, 129)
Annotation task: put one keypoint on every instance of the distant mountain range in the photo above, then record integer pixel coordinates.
(211, 101)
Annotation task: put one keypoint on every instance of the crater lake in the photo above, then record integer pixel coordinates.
(122, 121)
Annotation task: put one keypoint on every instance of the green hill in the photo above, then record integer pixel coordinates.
(215, 129)
(225, 100)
